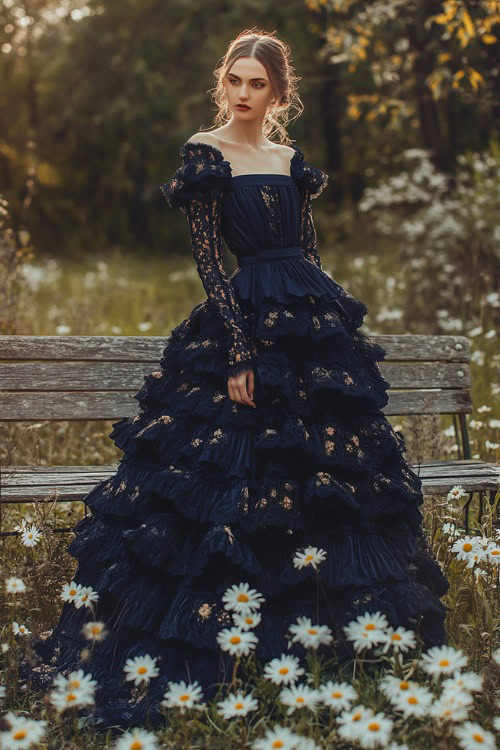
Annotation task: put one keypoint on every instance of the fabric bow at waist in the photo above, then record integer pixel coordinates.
(277, 253)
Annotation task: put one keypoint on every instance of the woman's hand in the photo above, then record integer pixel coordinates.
(241, 387)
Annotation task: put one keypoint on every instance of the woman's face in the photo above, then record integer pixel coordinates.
(248, 83)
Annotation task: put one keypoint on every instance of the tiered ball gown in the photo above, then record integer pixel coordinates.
(210, 492)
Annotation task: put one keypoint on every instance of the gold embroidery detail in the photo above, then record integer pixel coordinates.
(205, 610)
(230, 534)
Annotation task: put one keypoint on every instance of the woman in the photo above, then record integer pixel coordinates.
(261, 435)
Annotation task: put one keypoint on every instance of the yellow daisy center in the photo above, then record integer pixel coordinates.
(495, 551)
(478, 737)
(142, 670)
(72, 592)
(444, 663)
(136, 745)
(313, 631)
(283, 670)
(184, 697)
(300, 699)
(277, 743)
(235, 639)
(374, 726)
(20, 734)
(239, 705)
(309, 557)
(413, 700)
(467, 547)
(85, 597)
(70, 697)
(249, 620)
(370, 626)
(356, 716)
(404, 685)
(395, 637)
(337, 695)
(243, 598)
(95, 629)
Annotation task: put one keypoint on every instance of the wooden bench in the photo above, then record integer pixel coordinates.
(95, 377)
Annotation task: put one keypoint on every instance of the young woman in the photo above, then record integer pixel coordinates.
(260, 436)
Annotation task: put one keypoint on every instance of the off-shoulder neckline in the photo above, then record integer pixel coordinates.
(196, 144)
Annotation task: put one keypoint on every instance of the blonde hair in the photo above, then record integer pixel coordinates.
(275, 57)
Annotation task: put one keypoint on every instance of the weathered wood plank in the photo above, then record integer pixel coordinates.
(124, 376)
(401, 347)
(78, 405)
(485, 477)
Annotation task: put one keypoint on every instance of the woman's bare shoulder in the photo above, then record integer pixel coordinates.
(208, 138)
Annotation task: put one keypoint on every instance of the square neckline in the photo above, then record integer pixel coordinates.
(246, 174)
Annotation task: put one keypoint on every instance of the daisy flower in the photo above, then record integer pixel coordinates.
(350, 721)
(337, 695)
(236, 641)
(284, 670)
(95, 631)
(180, 695)
(442, 660)
(141, 669)
(85, 596)
(400, 639)
(75, 681)
(463, 547)
(415, 701)
(309, 635)
(30, 536)
(22, 732)
(310, 556)
(474, 557)
(136, 739)
(237, 705)
(63, 699)
(449, 529)
(496, 723)
(242, 598)
(375, 730)
(451, 706)
(20, 629)
(394, 688)
(14, 585)
(247, 620)
(470, 735)
(366, 630)
(456, 492)
(21, 525)
(470, 681)
(496, 656)
(492, 553)
(279, 737)
(299, 696)
(70, 591)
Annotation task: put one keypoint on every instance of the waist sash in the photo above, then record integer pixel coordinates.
(277, 253)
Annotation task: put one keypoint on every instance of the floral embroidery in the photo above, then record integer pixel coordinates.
(197, 188)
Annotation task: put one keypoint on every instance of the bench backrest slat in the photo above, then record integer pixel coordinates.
(96, 377)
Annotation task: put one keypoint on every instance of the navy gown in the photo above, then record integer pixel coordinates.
(210, 493)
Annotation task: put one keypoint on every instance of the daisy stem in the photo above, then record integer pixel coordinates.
(235, 669)
(317, 595)
(148, 718)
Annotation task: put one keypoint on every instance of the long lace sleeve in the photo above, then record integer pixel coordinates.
(311, 182)
(197, 189)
